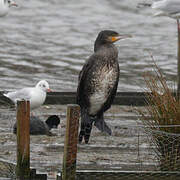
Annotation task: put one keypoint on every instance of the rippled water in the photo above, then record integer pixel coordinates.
(51, 40)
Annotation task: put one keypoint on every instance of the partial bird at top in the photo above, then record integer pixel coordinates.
(5, 5)
(169, 8)
(36, 95)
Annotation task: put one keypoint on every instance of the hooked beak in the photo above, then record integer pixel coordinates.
(117, 38)
(49, 90)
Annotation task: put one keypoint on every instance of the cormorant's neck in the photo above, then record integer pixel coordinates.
(98, 45)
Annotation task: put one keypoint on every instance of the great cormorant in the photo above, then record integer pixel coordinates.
(98, 81)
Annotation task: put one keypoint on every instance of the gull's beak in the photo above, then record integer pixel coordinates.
(49, 90)
(13, 4)
(119, 37)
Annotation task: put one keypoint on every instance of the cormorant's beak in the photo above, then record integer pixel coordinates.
(119, 37)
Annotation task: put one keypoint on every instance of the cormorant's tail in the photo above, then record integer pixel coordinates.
(101, 125)
(86, 127)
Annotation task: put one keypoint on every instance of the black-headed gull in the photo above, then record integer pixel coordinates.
(170, 8)
(5, 5)
(36, 95)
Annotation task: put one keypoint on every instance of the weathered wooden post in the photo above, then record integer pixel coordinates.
(70, 144)
(178, 58)
(23, 140)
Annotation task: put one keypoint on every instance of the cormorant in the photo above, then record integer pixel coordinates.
(98, 81)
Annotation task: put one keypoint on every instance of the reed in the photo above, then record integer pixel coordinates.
(162, 120)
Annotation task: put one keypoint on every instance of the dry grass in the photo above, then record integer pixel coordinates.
(163, 120)
(163, 107)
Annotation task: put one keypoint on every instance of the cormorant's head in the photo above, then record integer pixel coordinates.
(108, 37)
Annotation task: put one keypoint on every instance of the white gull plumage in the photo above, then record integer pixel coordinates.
(36, 95)
(5, 5)
(169, 8)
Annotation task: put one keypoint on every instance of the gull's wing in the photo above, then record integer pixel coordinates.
(24, 93)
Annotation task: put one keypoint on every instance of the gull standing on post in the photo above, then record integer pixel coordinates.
(36, 95)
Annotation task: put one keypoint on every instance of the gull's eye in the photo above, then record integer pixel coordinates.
(44, 85)
(9, 1)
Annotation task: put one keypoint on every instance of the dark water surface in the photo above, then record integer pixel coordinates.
(51, 39)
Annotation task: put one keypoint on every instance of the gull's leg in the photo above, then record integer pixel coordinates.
(178, 25)
(32, 114)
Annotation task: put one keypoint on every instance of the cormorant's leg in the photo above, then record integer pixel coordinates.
(86, 126)
(88, 129)
(82, 132)
(101, 124)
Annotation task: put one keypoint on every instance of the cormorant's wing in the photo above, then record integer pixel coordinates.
(82, 80)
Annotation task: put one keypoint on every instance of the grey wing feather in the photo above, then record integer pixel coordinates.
(82, 79)
(170, 6)
(20, 94)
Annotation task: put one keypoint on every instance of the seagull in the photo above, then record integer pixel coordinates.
(170, 8)
(5, 5)
(36, 95)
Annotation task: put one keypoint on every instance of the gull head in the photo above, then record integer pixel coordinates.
(43, 85)
(10, 3)
(5, 5)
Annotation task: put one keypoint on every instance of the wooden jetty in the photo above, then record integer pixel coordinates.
(122, 98)
(131, 98)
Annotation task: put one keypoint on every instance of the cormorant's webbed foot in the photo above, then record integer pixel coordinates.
(102, 126)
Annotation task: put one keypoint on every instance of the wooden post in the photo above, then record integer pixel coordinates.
(70, 144)
(178, 58)
(23, 140)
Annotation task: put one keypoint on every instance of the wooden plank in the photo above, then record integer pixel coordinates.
(23, 140)
(122, 98)
(70, 144)
(121, 175)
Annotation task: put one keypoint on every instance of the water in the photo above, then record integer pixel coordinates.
(51, 40)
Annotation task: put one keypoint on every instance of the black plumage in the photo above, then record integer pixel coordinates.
(98, 81)
(39, 127)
